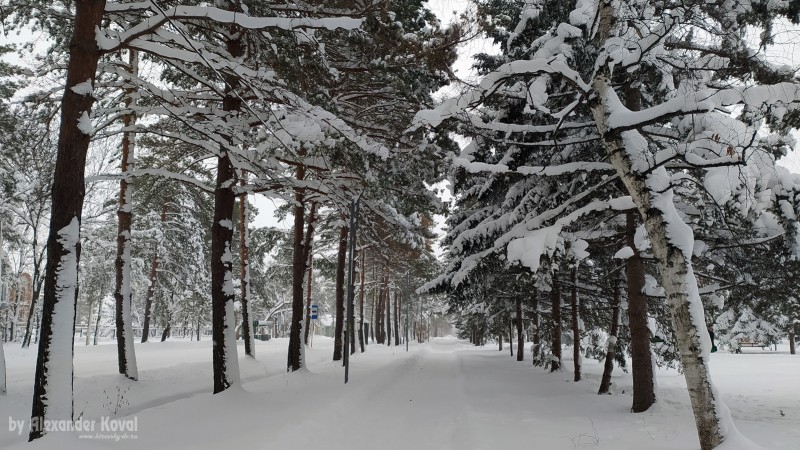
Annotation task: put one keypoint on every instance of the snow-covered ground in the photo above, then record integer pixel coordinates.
(445, 394)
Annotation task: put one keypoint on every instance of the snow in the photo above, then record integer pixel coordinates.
(529, 249)
(85, 124)
(58, 403)
(84, 88)
(445, 394)
(624, 253)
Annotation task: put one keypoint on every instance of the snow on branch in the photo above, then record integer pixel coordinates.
(110, 40)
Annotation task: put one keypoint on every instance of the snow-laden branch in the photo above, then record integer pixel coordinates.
(111, 40)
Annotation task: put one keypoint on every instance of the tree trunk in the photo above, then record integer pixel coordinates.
(340, 269)
(520, 335)
(308, 241)
(537, 339)
(611, 346)
(388, 317)
(52, 389)
(97, 322)
(652, 196)
(294, 359)
(397, 319)
(362, 276)
(500, 342)
(126, 356)
(151, 289)
(244, 272)
(792, 350)
(576, 334)
(373, 316)
(644, 394)
(225, 360)
(88, 320)
(37, 288)
(555, 304)
(511, 336)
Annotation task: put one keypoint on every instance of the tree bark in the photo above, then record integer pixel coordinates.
(537, 339)
(555, 302)
(652, 196)
(397, 300)
(294, 359)
(792, 349)
(151, 289)
(244, 271)
(362, 277)
(388, 317)
(576, 333)
(520, 335)
(340, 270)
(225, 361)
(644, 394)
(52, 389)
(126, 356)
(611, 346)
(97, 321)
(511, 336)
(37, 288)
(308, 241)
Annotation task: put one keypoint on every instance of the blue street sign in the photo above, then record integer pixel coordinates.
(314, 312)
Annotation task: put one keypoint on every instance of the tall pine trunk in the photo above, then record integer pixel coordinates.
(537, 333)
(126, 356)
(362, 278)
(397, 318)
(576, 333)
(294, 355)
(151, 289)
(520, 334)
(340, 270)
(37, 288)
(555, 304)
(225, 360)
(644, 393)
(611, 346)
(52, 389)
(388, 317)
(244, 271)
(308, 241)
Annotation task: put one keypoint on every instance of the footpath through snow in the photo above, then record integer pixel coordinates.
(442, 395)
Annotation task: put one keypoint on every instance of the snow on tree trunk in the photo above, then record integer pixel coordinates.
(126, 356)
(225, 360)
(52, 389)
(308, 240)
(672, 242)
(223, 325)
(294, 357)
(537, 344)
(611, 345)
(244, 272)
(644, 392)
(340, 269)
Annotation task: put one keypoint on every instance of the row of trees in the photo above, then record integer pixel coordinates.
(621, 177)
(305, 102)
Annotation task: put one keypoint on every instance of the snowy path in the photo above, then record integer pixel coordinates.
(444, 395)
